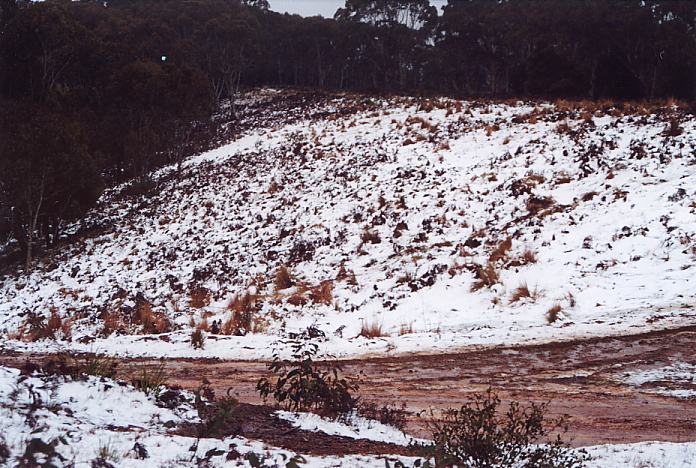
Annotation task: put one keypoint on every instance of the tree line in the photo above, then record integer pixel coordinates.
(94, 93)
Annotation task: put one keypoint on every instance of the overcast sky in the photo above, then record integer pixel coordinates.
(325, 8)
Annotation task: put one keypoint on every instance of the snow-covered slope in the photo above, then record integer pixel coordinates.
(422, 218)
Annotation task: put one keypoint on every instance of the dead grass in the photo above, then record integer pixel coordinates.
(523, 292)
(486, 276)
(406, 329)
(529, 257)
(553, 313)
(151, 322)
(197, 339)
(243, 308)
(371, 330)
(323, 293)
(199, 297)
(283, 279)
(537, 204)
(501, 251)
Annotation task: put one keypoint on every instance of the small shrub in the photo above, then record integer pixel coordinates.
(480, 435)
(301, 384)
(149, 380)
(391, 415)
(552, 313)
(283, 280)
(371, 330)
(106, 454)
(217, 415)
(75, 366)
(40, 453)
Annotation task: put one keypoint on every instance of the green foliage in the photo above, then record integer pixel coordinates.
(302, 384)
(217, 415)
(480, 435)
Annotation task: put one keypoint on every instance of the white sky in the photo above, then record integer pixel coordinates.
(325, 8)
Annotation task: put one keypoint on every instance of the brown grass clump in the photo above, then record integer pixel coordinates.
(153, 323)
(673, 129)
(243, 308)
(283, 279)
(529, 257)
(297, 299)
(197, 339)
(500, 251)
(552, 313)
(203, 325)
(522, 292)
(406, 329)
(371, 237)
(563, 128)
(371, 330)
(199, 297)
(346, 275)
(323, 293)
(537, 204)
(486, 276)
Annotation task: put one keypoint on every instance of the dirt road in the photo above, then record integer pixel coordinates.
(580, 378)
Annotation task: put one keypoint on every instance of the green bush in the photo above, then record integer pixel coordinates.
(480, 435)
(302, 384)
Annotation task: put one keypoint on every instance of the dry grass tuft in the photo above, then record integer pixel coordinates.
(406, 329)
(197, 339)
(486, 276)
(500, 252)
(552, 313)
(283, 279)
(523, 292)
(243, 308)
(199, 297)
(528, 257)
(152, 322)
(371, 330)
(323, 293)
(537, 204)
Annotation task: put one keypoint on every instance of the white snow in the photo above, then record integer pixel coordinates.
(304, 193)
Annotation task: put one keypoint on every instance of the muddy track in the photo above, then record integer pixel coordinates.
(580, 378)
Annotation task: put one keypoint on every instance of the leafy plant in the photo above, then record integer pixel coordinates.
(302, 384)
(217, 415)
(479, 435)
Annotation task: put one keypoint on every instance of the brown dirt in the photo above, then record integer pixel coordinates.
(580, 378)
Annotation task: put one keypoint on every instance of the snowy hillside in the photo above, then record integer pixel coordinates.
(435, 224)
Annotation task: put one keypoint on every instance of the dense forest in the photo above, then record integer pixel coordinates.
(94, 93)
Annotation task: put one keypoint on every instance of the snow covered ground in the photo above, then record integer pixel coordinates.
(419, 219)
(74, 422)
